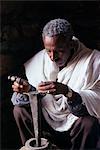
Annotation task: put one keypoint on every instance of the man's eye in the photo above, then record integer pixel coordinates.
(48, 51)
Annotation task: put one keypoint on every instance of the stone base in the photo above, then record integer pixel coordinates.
(23, 148)
(30, 144)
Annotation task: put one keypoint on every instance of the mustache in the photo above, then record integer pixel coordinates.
(57, 59)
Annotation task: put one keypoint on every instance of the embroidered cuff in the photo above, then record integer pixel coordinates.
(76, 106)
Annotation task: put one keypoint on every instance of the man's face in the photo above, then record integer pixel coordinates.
(58, 49)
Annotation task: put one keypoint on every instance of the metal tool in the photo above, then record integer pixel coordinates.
(35, 103)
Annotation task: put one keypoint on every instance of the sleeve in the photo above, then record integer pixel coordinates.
(87, 100)
(20, 99)
(76, 106)
(90, 93)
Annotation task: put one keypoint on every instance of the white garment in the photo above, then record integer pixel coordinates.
(82, 74)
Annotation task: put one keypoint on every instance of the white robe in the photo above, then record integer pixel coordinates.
(82, 74)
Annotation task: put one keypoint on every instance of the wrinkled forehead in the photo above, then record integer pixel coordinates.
(56, 40)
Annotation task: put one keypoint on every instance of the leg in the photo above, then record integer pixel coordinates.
(98, 143)
(24, 122)
(85, 133)
(57, 140)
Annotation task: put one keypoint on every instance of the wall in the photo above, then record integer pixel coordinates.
(21, 26)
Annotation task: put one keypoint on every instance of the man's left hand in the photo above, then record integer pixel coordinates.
(52, 87)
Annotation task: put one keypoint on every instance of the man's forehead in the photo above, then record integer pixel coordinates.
(56, 40)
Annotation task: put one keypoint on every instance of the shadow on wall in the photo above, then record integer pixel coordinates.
(20, 39)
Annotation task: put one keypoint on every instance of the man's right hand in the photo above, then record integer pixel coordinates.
(19, 85)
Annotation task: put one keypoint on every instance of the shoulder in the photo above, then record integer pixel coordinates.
(96, 52)
(94, 63)
(39, 53)
(95, 55)
(38, 56)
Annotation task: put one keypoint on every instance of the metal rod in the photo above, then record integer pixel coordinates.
(35, 103)
(39, 119)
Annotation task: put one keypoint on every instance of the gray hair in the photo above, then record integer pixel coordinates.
(57, 27)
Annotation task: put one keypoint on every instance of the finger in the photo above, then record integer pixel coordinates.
(45, 83)
(42, 91)
(16, 84)
(18, 80)
(51, 91)
(25, 82)
(21, 86)
(15, 88)
(46, 87)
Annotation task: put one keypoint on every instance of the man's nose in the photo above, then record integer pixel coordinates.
(54, 56)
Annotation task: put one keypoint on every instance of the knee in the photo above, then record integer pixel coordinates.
(90, 123)
(17, 111)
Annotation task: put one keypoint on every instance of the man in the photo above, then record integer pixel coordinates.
(69, 74)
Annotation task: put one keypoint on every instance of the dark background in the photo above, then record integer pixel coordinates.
(20, 39)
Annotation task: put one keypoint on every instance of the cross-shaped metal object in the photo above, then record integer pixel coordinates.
(35, 103)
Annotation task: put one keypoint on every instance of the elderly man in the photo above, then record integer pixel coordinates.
(69, 74)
